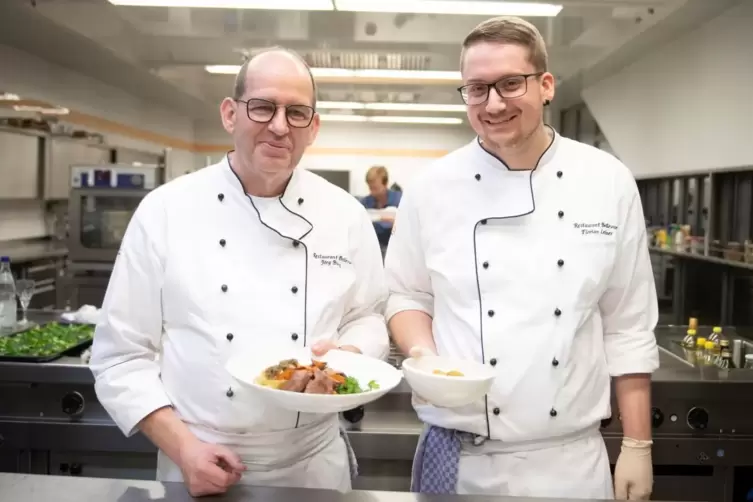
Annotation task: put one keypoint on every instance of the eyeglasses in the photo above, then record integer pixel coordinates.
(507, 88)
(263, 111)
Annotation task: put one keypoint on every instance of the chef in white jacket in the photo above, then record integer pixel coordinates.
(538, 269)
(245, 255)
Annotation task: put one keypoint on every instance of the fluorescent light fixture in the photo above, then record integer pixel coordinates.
(459, 7)
(345, 74)
(325, 73)
(231, 4)
(386, 119)
(42, 110)
(401, 107)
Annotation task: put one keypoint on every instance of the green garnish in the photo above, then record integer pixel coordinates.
(373, 385)
(43, 341)
(351, 386)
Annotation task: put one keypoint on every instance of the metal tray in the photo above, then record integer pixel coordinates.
(43, 359)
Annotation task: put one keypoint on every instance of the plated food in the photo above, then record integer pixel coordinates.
(314, 378)
(454, 373)
(297, 380)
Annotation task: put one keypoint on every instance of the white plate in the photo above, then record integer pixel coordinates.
(247, 367)
(448, 391)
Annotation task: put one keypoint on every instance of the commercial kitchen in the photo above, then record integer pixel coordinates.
(101, 103)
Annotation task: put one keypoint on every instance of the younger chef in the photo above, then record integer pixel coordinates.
(540, 269)
(246, 255)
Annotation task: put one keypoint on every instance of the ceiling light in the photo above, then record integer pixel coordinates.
(392, 120)
(345, 75)
(41, 109)
(7, 96)
(231, 4)
(475, 8)
(404, 107)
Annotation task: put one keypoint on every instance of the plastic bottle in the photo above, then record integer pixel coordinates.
(8, 305)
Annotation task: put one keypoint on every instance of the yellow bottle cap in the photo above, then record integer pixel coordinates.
(717, 329)
(701, 342)
(691, 332)
(710, 345)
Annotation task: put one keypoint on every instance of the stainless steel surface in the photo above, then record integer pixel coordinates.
(93, 235)
(66, 489)
(703, 428)
(25, 251)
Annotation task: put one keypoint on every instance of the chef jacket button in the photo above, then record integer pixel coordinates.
(294, 336)
(483, 222)
(493, 361)
(552, 412)
(495, 411)
(229, 337)
(561, 214)
(559, 174)
(300, 200)
(486, 264)
(296, 243)
(491, 313)
(555, 362)
(224, 288)
(229, 393)
(560, 262)
(478, 177)
(557, 312)
(294, 289)
(223, 242)
(221, 196)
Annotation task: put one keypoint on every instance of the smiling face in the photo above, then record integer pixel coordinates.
(272, 149)
(505, 123)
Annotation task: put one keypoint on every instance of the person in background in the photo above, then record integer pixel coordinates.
(540, 270)
(249, 254)
(380, 197)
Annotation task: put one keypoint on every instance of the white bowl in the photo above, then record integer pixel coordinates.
(448, 391)
(246, 368)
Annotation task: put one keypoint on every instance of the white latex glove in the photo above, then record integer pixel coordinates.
(634, 473)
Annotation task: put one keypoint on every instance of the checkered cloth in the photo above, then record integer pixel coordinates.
(435, 466)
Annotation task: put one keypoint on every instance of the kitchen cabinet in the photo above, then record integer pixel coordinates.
(62, 153)
(19, 165)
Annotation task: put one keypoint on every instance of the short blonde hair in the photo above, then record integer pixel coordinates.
(379, 172)
(510, 30)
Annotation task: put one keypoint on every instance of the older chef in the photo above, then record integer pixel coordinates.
(247, 254)
(540, 269)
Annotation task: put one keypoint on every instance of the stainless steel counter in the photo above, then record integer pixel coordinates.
(31, 488)
(25, 251)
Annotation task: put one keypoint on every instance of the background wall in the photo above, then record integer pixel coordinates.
(33, 78)
(685, 106)
(403, 149)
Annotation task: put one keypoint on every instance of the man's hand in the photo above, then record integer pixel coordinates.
(633, 473)
(324, 346)
(209, 469)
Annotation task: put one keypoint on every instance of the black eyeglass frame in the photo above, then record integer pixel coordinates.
(489, 87)
(277, 106)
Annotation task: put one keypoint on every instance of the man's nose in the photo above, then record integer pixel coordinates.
(495, 103)
(279, 123)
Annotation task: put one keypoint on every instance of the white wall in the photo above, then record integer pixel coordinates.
(33, 78)
(685, 106)
(403, 149)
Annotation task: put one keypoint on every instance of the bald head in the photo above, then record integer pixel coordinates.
(276, 60)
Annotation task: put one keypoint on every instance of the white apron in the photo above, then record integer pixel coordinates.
(576, 466)
(320, 459)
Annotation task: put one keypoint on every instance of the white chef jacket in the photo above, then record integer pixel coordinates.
(543, 274)
(203, 273)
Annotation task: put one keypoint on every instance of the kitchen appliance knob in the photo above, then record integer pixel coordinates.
(698, 419)
(657, 417)
(73, 404)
